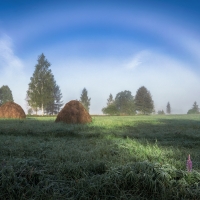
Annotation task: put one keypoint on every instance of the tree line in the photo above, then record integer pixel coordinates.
(44, 95)
(126, 104)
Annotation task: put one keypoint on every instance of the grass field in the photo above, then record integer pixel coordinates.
(121, 157)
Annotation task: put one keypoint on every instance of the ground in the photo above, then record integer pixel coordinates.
(114, 157)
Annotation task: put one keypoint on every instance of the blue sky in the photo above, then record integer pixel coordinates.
(105, 46)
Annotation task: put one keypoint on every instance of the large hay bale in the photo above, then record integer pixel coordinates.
(12, 110)
(73, 113)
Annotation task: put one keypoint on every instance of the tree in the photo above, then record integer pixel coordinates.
(124, 103)
(30, 111)
(85, 100)
(161, 112)
(54, 106)
(31, 104)
(5, 95)
(168, 110)
(110, 109)
(194, 109)
(41, 88)
(110, 100)
(143, 101)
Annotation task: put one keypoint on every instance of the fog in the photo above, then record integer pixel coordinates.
(167, 78)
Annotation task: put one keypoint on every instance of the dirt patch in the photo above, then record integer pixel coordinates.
(74, 113)
(12, 110)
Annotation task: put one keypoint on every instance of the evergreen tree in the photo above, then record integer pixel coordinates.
(85, 100)
(5, 95)
(143, 101)
(41, 88)
(194, 109)
(110, 100)
(168, 110)
(124, 103)
(54, 106)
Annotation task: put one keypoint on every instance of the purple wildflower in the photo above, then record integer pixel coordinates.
(189, 164)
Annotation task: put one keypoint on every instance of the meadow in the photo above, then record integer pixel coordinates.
(114, 157)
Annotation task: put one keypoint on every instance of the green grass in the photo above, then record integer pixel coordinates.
(137, 157)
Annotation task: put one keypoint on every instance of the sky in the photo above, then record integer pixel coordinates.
(105, 47)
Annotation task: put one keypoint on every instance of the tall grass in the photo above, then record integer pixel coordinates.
(138, 157)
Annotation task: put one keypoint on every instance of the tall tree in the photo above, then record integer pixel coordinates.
(168, 109)
(143, 101)
(194, 109)
(124, 103)
(40, 91)
(54, 106)
(110, 100)
(85, 100)
(5, 94)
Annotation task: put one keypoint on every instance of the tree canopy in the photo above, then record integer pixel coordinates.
(143, 101)
(194, 109)
(5, 95)
(85, 100)
(122, 105)
(110, 109)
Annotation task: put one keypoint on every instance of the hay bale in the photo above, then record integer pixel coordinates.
(12, 110)
(74, 113)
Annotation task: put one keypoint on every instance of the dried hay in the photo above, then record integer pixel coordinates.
(74, 113)
(12, 110)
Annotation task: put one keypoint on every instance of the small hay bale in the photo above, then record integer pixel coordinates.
(12, 110)
(74, 113)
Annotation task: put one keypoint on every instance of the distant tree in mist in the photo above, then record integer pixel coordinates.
(168, 109)
(194, 109)
(122, 105)
(30, 111)
(110, 100)
(143, 101)
(161, 112)
(85, 100)
(5, 95)
(124, 102)
(110, 109)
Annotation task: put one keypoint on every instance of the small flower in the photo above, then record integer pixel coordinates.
(189, 164)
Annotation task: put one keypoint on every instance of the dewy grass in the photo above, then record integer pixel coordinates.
(138, 157)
